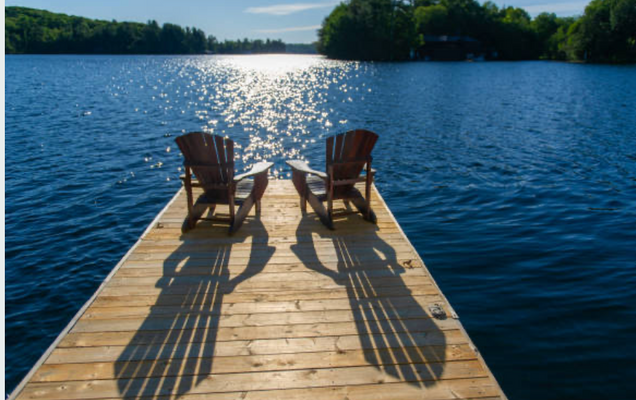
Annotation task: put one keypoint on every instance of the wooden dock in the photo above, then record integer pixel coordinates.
(284, 309)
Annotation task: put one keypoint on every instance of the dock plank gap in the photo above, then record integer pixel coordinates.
(283, 309)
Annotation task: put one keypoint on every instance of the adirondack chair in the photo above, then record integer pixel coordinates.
(347, 155)
(211, 159)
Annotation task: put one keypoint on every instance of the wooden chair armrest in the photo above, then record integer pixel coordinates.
(353, 181)
(193, 181)
(209, 167)
(302, 166)
(258, 168)
(195, 184)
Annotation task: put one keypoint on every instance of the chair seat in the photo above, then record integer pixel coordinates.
(318, 188)
(243, 190)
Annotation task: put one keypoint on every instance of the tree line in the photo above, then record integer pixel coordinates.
(31, 31)
(394, 29)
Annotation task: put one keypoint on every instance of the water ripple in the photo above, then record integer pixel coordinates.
(516, 182)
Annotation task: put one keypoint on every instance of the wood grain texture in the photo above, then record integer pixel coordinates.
(284, 309)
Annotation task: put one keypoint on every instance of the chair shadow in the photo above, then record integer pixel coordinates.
(397, 335)
(173, 350)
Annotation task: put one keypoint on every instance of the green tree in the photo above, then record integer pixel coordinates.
(623, 25)
(197, 41)
(368, 30)
(515, 39)
(37, 31)
(605, 33)
(431, 20)
(555, 47)
(173, 39)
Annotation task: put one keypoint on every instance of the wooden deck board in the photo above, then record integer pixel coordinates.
(285, 309)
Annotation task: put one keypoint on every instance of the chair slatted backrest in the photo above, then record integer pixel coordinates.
(353, 148)
(211, 157)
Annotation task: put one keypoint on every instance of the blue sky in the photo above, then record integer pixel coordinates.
(289, 20)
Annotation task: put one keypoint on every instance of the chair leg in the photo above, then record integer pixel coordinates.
(188, 225)
(319, 208)
(299, 179)
(241, 214)
(231, 206)
(365, 208)
(189, 221)
(195, 213)
(330, 202)
(367, 192)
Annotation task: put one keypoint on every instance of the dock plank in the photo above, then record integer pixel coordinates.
(418, 374)
(115, 338)
(284, 309)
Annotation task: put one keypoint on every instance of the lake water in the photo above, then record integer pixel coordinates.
(516, 182)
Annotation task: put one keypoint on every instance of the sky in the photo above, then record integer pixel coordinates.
(289, 20)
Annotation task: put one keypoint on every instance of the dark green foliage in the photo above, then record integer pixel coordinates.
(247, 47)
(605, 33)
(515, 39)
(392, 29)
(301, 48)
(431, 20)
(41, 32)
(368, 30)
(552, 35)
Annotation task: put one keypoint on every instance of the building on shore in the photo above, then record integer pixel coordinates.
(453, 48)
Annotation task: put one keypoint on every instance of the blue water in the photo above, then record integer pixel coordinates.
(516, 182)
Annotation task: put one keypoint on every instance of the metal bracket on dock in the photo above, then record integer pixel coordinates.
(437, 311)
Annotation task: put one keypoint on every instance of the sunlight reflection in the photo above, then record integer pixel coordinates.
(275, 106)
(272, 64)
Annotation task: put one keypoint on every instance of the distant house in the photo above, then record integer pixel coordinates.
(450, 48)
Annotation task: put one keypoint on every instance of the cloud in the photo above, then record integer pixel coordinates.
(557, 8)
(286, 9)
(293, 29)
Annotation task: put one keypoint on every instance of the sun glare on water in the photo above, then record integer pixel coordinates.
(273, 64)
(273, 106)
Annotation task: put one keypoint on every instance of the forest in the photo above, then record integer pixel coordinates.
(31, 31)
(394, 30)
(378, 30)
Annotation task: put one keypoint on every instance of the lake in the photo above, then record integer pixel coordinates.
(516, 182)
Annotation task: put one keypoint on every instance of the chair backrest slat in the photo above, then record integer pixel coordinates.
(229, 158)
(347, 147)
(203, 149)
(220, 151)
